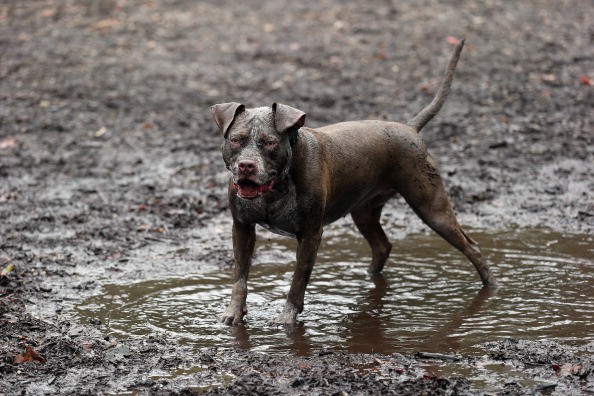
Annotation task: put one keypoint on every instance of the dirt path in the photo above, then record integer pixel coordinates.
(109, 157)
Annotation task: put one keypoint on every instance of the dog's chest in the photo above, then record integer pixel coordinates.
(280, 216)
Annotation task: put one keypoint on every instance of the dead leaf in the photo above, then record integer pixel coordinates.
(379, 361)
(6, 271)
(87, 345)
(161, 229)
(453, 40)
(548, 77)
(48, 12)
(144, 227)
(426, 87)
(567, 369)
(115, 255)
(28, 356)
(8, 143)
(587, 80)
(106, 24)
(100, 132)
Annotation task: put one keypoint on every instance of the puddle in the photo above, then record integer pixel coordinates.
(428, 299)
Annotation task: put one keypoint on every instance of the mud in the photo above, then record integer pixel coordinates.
(110, 174)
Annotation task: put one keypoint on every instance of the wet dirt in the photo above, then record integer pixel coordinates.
(426, 301)
(110, 175)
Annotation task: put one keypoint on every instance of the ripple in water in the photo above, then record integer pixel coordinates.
(429, 297)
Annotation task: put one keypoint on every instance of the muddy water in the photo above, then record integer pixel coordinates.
(428, 299)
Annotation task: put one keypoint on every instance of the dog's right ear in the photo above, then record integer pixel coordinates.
(225, 113)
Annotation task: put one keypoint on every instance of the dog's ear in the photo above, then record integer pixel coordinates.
(225, 113)
(287, 117)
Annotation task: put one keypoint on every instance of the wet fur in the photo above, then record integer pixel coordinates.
(327, 173)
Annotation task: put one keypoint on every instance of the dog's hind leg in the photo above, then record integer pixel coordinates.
(430, 202)
(368, 222)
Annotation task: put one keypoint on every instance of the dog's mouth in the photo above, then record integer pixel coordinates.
(250, 189)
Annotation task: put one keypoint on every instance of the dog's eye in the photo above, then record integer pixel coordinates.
(270, 144)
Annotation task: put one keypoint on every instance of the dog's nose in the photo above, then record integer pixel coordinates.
(246, 167)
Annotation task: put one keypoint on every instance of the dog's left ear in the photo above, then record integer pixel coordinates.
(225, 113)
(287, 117)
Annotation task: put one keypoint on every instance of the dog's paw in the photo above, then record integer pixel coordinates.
(232, 316)
(287, 317)
(491, 282)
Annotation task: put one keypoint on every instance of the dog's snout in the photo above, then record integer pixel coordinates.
(246, 167)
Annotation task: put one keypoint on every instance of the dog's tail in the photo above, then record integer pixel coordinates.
(421, 119)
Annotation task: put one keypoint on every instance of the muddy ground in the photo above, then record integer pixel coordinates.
(108, 156)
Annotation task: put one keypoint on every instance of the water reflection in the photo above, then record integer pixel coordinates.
(365, 329)
(242, 337)
(428, 299)
(449, 337)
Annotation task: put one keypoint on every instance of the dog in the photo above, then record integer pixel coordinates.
(294, 180)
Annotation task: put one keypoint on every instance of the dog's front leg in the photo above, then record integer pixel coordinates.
(244, 238)
(307, 250)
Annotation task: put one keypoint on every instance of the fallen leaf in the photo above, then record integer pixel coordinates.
(453, 40)
(28, 356)
(6, 271)
(8, 142)
(549, 77)
(161, 230)
(378, 361)
(425, 87)
(115, 256)
(100, 132)
(87, 345)
(144, 227)
(567, 369)
(48, 12)
(106, 24)
(587, 80)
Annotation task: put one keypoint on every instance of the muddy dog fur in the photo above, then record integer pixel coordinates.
(295, 180)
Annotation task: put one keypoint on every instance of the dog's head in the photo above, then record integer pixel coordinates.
(258, 144)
